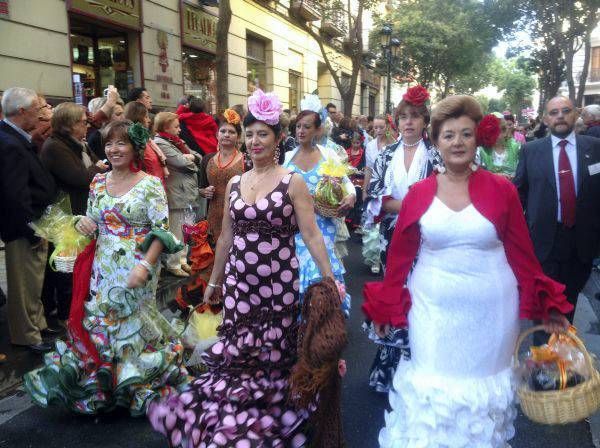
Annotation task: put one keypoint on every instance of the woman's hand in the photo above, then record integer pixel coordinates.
(101, 165)
(381, 330)
(556, 323)
(208, 192)
(138, 276)
(86, 226)
(212, 295)
(190, 157)
(346, 205)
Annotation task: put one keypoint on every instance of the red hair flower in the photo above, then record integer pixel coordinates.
(417, 95)
(488, 130)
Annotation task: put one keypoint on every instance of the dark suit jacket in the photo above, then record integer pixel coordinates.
(26, 188)
(535, 180)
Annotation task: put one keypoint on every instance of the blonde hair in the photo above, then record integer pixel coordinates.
(66, 115)
(163, 119)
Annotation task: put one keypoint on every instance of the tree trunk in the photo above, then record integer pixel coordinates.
(222, 58)
(587, 54)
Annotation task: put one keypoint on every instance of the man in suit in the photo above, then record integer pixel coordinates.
(26, 188)
(558, 178)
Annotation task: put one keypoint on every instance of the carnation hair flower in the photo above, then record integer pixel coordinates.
(416, 95)
(232, 117)
(265, 107)
(311, 102)
(488, 130)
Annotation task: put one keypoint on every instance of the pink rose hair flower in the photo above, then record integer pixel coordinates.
(265, 107)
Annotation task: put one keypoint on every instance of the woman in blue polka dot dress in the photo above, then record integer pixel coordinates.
(306, 160)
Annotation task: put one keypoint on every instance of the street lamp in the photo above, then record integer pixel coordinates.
(391, 50)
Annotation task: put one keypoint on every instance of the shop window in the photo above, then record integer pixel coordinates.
(199, 77)
(257, 64)
(295, 91)
(595, 71)
(100, 58)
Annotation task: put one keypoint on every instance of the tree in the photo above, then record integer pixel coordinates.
(352, 46)
(445, 43)
(558, 30)
(222, 59)
(515, 79)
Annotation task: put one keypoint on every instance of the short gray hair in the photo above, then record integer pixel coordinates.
(95, 104)
(16, 98)
(593, 110)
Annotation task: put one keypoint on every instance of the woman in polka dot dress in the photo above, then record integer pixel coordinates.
(242, 401)
(306, 161)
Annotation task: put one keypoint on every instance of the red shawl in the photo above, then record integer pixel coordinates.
(79, 337)
(202, 127)
(175, 140)
(498, 201)
(354, 160)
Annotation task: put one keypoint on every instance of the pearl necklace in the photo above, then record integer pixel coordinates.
(412, 145)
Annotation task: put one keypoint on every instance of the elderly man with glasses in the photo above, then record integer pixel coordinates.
(26, 188)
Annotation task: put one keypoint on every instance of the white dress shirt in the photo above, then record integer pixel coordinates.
(571, 150)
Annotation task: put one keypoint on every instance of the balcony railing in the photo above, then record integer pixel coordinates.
(595, 75)
(308, 10)
(333, 22)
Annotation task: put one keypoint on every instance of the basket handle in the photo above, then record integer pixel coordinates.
(580, 345)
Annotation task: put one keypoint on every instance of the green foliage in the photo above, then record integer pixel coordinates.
(496, 105)
(514, 78)
(445, 43)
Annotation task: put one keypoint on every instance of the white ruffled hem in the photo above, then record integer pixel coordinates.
(437, 412)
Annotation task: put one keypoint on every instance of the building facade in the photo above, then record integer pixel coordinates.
(73, 49)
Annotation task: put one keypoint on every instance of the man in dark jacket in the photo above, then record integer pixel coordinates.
(26, 188)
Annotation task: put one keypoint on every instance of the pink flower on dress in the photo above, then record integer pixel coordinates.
(265, 107)
(115, 223)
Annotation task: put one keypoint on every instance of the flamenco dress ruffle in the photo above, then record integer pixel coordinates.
(140, 355)
(439, 412)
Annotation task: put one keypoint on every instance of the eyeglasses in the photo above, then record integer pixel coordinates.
(556, 112)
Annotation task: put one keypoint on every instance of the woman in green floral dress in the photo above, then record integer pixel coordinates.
(126, 354)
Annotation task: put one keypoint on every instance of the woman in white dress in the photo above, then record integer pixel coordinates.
(370, 239)
(397, 167)
(475, 275)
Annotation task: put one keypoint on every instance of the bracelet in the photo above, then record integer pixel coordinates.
(146, 264)
(212, 285)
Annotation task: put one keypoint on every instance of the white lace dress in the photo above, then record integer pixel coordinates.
(458, 388)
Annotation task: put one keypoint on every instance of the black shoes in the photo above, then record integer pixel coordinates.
(42, 347)
(51, 332)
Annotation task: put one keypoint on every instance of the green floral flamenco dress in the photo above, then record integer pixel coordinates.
(126, 354)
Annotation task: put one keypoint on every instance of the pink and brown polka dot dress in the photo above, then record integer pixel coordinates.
(242, 400)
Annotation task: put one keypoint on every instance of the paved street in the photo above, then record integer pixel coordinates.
(23, 425)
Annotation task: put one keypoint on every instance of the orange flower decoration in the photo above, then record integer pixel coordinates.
(232, 116)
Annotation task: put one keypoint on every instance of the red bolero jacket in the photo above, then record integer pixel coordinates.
(388, 302)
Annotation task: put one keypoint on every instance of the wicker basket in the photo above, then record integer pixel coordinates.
(64, 264)
(326, 210)
(559, 407)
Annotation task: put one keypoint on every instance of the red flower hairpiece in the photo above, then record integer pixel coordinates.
(416, 95)
(488, 130)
